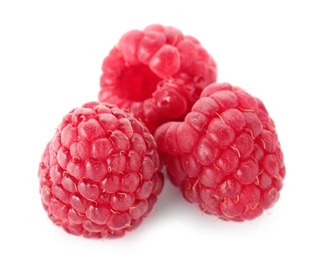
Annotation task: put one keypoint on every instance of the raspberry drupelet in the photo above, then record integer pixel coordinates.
(100, 174)
(157, 74)
(225, 156)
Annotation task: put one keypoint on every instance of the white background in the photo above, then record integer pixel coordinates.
(50, 62)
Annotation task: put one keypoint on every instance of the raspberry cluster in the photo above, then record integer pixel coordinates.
(160, 108)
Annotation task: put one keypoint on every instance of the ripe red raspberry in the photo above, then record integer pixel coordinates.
(157, 74)
(225, 156)
(100, 174)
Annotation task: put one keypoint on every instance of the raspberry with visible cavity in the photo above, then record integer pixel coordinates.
(225, 156)
(100, 174)
(157, 74)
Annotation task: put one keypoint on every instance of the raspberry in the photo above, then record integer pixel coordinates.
(225, 156)
(100, 175)
(157, 74)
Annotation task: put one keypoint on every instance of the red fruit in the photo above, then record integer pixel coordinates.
(100, 175)
(225, 156)
(157, 74)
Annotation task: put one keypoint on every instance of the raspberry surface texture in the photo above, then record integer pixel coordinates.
(156, 73)
(225, 156)
(100, 174)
